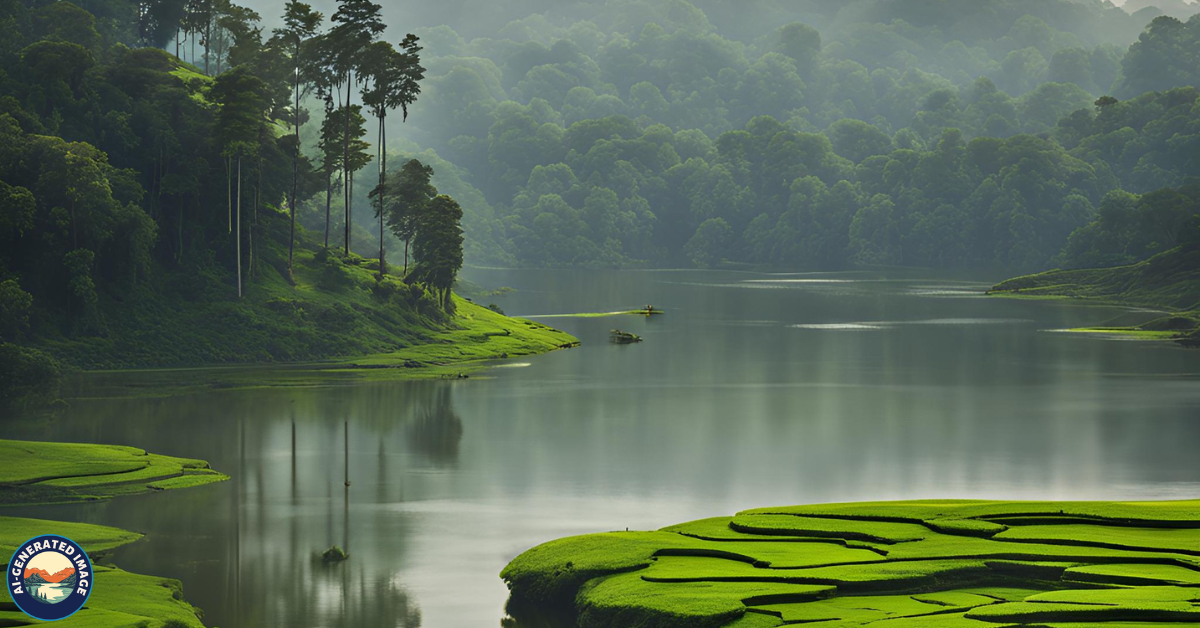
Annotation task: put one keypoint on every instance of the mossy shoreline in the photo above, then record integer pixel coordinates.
(1169, 282)
(942, 563)
(474, 341)
(42, 473)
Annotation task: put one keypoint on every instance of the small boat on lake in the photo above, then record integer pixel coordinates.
(619, 337)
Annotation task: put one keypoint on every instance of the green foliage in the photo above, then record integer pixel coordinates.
(15, 304)
(711, 244)
(547, 120)
(438, 246)
(1162, 57)
(27, 375)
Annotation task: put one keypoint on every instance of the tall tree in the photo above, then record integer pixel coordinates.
(242, 99)
(357, 23)
(300, 23)
(332, 145)
(395, 77)
(438, 247)
(409, 193)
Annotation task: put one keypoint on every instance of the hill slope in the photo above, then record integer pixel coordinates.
(1169, 281)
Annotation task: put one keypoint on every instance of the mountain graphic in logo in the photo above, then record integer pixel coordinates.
(40, 576)
(51, 579)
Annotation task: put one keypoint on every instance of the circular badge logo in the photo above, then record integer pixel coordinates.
(49, 577)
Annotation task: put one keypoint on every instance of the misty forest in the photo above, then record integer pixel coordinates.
(392, 293)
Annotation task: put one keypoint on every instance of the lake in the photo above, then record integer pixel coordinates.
(753, 390)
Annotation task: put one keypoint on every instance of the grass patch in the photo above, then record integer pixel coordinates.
(602, 314)
(1127, 332)
(941, 564)
(37, 472)
(120, 598)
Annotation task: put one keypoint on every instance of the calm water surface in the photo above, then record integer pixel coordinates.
(753, 390)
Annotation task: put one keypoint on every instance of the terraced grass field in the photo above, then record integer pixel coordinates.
(34, 472)
(935, 564)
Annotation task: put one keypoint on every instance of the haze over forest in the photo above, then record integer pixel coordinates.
(802, 134)
(151, 163)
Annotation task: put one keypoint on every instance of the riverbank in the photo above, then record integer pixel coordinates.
(1169, 282)
(35, 472)
(45, 473)
(949, 564)
(120, 598)
(478, 339)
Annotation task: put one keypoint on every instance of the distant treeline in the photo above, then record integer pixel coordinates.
(883, 131)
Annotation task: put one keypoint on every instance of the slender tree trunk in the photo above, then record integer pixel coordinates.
(347, 181)
(229, 188)
(382, 170)
(239, 222)
(295, 173)
(207, 43)
(177, 43)
(254, 219)
(406, 241)
(328, 199)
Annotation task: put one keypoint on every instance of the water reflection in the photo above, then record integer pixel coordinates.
(738, 398)
(311, 468)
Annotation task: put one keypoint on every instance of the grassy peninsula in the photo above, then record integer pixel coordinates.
(1169, 282)
(34, 472)
(945, 564)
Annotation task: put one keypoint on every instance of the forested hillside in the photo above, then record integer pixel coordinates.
(820, 134)
(146, 202)
(172, 170)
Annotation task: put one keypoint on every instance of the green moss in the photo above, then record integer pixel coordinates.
(952, 564)
(62, 472)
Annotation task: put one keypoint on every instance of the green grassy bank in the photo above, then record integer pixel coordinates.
(32, 472)
(1169, 282)
(941, 564)
(120, 599)
(331, 309)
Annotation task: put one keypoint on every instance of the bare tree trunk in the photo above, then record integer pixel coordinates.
(207, 42)
(347, 181)
(382, 172)
(328, 199)
(295, 175)
(239, 221)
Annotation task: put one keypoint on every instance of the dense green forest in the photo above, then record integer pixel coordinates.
(170, 170)
(812, 134)
(147, 202)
